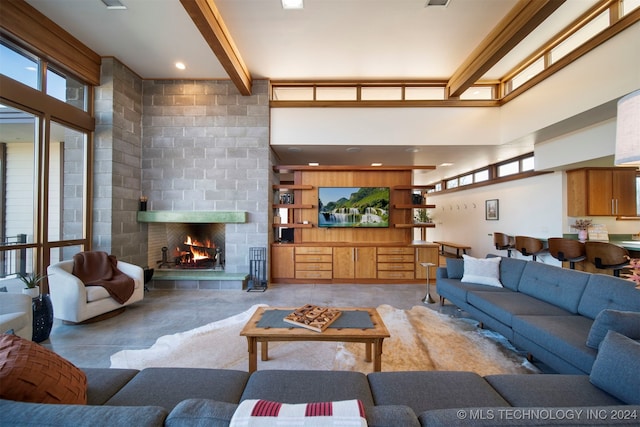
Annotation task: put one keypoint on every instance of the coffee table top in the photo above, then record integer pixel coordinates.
(379, 330)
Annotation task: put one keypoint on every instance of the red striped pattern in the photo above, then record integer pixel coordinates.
(265, 408)
(319, 409)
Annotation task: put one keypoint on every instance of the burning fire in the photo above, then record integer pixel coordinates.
(198, 250)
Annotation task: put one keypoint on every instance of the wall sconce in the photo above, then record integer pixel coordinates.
(628, 131)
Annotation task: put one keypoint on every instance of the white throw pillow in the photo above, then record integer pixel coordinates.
(483, 271)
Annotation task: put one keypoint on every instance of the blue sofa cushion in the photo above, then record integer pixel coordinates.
(510, 271)
(425, 390)
(625, 322)
(555, 285)
(563, 336)
(603, 292)
(103, 383)
(553, 390)
(455, 268)
(201, 412)
(504, 305)
(617, 368)
(299, 386)
(457, 291)
(167, 387)
(53, 415)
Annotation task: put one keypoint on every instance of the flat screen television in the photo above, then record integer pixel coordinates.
(359, 207)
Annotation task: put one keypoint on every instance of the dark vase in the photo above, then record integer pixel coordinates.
(42, 318)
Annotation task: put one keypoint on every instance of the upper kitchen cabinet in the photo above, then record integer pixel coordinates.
(601, 192)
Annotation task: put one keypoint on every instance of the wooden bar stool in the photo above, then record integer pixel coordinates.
(568, 250)
(503, 242)
(530, 246)
(605, 256)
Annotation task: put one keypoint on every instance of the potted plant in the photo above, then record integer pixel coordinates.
(31, 281)
(422, 216)
(582, 225)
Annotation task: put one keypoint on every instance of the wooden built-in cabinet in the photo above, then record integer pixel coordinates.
(396, 263)
(354, 263)
(601, 192)
(348, 255)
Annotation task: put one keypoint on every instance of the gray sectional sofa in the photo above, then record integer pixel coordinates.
(546, 310)
(549, 311)
(186, 397)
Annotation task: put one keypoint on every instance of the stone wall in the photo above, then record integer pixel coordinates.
(117, 164)
(205, 147)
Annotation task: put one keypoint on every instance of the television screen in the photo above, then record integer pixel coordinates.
(353, 207)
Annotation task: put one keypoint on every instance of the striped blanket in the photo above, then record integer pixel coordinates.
(257, 413)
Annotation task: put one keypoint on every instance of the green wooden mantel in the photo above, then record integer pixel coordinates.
(195, 217)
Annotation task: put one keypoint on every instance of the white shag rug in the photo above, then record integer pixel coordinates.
(421, 339)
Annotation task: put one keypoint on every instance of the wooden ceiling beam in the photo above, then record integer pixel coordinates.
(525, 16)
(205, 15)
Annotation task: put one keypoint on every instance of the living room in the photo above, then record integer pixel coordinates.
(199, 145)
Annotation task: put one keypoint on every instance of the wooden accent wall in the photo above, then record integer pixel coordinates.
(363, 178)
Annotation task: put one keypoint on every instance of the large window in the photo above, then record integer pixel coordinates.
(44, 167)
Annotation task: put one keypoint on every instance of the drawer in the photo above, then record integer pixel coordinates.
(405, 275)
(396, 258)
(313, 266)
(313, 250)
(395, 251)
(313, 274)
(313, 258)
(407, 266)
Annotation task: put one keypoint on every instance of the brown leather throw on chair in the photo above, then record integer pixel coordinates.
(97, 268)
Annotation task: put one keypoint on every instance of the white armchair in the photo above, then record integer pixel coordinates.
(16, 313)
(74, 302)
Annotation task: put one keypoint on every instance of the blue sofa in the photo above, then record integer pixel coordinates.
(545, 310)
(188, 397)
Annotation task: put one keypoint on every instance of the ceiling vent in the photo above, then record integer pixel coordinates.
(439, 3)
(114, 4)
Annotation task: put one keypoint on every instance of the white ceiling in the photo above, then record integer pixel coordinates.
(328, 39)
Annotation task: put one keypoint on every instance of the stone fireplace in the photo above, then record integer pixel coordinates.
(187, 249)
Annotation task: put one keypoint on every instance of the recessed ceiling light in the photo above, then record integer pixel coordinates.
(181, 66)
(412, 150)
(114, 4)
(446, 164)
(294, 149)
(376, 164)
(314, 164)
(292, 4)
(353, 149)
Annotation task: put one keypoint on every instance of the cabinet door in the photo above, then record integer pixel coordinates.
(624, 192)
(426, 255)
(366, 263)
(344, 263)
(282, 262)
(600, 184)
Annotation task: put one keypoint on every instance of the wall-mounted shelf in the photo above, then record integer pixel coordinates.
(414, 187)
(420, 225)
(293, 225)
(292, 187)
(409, 206)
(292, 206)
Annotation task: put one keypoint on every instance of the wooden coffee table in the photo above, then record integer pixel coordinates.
(371, 337)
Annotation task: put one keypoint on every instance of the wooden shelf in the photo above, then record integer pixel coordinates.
(407, 206)
(292, 206)
(292, 187)
(426, 225)
(292, 225)
(414, 187)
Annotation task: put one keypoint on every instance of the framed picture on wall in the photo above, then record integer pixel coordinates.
(491, 211)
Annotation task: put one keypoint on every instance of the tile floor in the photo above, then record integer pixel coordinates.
(164, 312)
